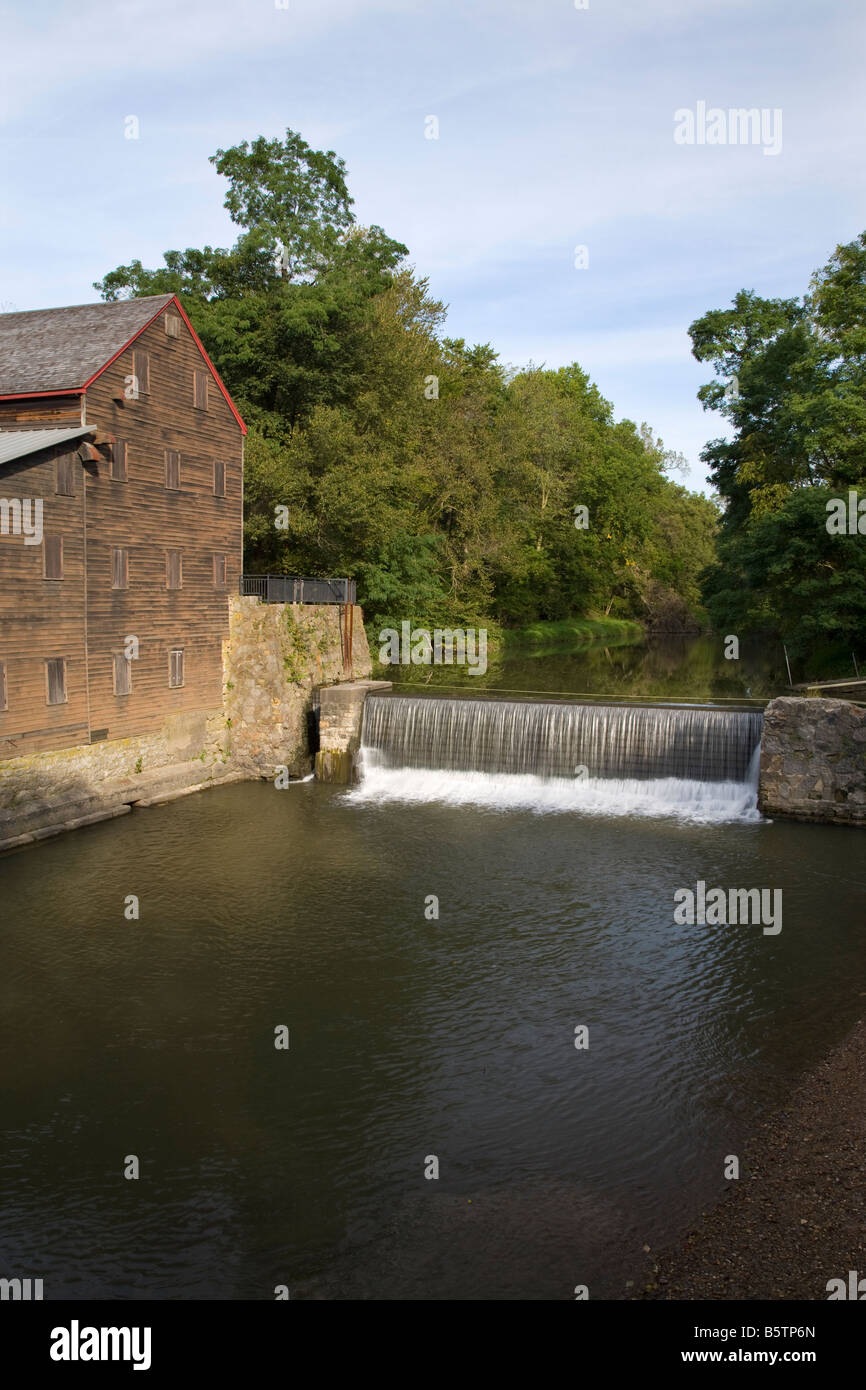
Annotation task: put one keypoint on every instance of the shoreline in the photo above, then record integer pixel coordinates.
(794, 1220)
(545, 636)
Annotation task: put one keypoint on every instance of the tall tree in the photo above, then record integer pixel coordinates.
(791, 380)
(382, 448)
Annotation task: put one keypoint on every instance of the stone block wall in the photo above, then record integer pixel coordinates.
(278, 654)
(44, 792)
(341, 709)
(813, 761)
(275, 659)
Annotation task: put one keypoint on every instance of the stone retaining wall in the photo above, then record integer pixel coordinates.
(276, 658)
(341, 709)
(813, 761)
(43, 793)
(278, 655)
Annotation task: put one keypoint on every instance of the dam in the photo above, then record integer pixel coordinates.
(693, 761)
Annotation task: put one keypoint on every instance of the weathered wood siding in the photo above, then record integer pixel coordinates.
(41, 412)
(41, 619)
(148, 519)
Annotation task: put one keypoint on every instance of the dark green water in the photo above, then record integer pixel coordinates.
(667, 668)
(409, 1038)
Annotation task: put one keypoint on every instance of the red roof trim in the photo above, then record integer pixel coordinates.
(121, 351)
(173, 301)
(217, 378)
(77, 390)
(31, 395)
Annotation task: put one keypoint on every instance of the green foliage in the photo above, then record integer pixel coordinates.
(799, 421)
(410, 460)
(295, 648)
(295, 198)
(786, 571)
(571, 632)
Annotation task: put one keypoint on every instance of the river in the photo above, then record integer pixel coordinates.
(670, 667)
(412, 1037)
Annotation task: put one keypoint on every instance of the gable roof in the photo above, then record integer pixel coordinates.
(62, 349)
(46, 352)
(16, 444)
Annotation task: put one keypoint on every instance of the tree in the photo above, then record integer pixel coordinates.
(798, 410)
(292, 198)
(281, 313)
(381, 448)
(787, 573)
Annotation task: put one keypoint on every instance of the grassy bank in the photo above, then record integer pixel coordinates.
(571, 631)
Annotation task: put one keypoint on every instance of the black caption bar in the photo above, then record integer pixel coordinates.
(149, 1341)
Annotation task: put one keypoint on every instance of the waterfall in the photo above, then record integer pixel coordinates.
(696, 762)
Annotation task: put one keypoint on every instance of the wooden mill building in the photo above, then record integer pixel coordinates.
(121, 478)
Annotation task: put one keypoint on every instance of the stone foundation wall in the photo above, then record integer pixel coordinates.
(45, 792)
(275, 659)
(813, 761)
(341, 709)
(278, 654)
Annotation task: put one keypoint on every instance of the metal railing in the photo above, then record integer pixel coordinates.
(291, 588)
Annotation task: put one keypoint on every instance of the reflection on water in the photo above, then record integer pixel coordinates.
(677, 668)
(410, 1037)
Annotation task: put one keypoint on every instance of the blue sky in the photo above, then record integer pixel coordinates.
(556, 130)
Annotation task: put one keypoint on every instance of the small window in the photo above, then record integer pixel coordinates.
(219, 478)
(55, 677)
(219, 571)
(122, 674)
(118, 460)
(172, 326)
(52, 553)
(3, 701)
(172, 469)
(141, 372)
(65, 486)
(119, 568)
(200, 390)
(175, 667)
(173, 569)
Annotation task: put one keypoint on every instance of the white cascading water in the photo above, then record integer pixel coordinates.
(697, 763)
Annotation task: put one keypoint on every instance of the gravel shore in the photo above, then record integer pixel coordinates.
(796, 1217)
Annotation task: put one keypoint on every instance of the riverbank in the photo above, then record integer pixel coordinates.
(794, 1219)
(544, 635)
